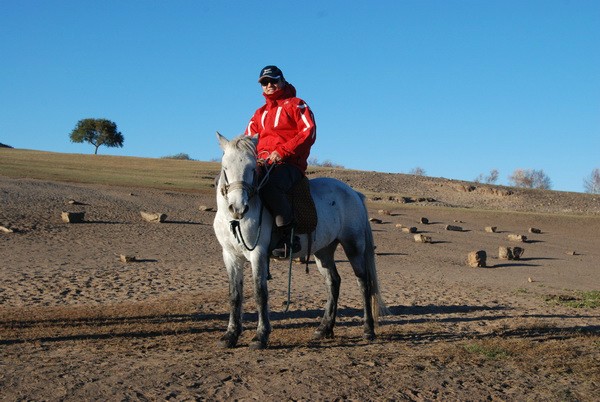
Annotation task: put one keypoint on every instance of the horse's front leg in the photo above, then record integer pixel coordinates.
(260, 272)
(235, 272)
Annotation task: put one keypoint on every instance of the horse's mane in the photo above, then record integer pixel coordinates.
(244, 143)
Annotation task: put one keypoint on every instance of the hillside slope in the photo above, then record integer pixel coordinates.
(397, 188)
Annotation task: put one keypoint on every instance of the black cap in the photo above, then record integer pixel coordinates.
(270, 72)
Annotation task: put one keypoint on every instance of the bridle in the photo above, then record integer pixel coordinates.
(251, 190)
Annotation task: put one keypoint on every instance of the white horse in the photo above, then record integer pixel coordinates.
(243, 227)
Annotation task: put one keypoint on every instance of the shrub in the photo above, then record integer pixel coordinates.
(418, 171)
(530, 178)
(181, 156)
(326, 163)
(492, 178)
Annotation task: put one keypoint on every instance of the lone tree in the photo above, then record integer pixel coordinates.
(592, 184)
(97, 132)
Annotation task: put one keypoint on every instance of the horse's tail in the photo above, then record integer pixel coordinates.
(378, 306)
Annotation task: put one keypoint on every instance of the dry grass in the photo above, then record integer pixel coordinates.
(172, 174)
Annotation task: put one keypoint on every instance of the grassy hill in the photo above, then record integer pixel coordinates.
(387, 189)
(184, 175)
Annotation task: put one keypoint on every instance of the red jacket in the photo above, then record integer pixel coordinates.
(284, 124)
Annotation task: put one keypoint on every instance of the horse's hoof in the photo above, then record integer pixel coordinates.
(229, 340)
(258, 343)
(322, 334)
(369, 336)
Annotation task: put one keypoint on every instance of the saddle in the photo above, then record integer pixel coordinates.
(305, 213)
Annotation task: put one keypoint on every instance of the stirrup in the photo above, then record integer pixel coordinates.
(284, 249)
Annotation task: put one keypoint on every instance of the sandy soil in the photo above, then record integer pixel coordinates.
(76, 323)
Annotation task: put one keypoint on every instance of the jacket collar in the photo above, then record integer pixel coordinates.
(284, 93)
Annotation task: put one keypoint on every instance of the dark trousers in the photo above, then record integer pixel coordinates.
(281, 180)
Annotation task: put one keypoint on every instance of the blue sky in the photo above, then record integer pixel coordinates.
(456, 88)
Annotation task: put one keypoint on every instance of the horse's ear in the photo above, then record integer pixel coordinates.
(222, 141)
(254, 139)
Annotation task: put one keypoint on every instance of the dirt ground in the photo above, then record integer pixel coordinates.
(76, 323)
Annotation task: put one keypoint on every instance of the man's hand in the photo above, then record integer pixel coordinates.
(274, 157)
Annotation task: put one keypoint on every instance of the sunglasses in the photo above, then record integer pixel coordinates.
(268, 81)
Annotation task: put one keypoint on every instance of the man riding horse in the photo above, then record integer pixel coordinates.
(286, 131)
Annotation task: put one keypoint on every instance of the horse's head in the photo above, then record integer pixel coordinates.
(237, 182)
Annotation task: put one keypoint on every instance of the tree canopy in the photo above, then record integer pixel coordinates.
(530, 178)
(97, 132)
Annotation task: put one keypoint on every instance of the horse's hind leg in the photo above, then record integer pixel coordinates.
(235, 272)
(357, 258)
(326, 263)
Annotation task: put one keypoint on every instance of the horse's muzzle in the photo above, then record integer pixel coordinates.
(236, 213)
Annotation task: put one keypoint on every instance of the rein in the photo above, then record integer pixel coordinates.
(236, 229)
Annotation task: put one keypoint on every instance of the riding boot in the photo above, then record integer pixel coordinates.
(286, 245)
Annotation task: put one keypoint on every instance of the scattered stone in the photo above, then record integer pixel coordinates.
(529, 280)
(467, 188)
(491, 229)
(477, 259)
(127, 258)
(457, 221)
(384, 212)
(375, 220)
(205, 208)
(153, 217)
(535, 230)
(419, 238)
(424, 221)
(454, 228)
(571, 253)
(399, 225)
(517, 252)
(74, 202)
(408, 200)
(6, 230)
(516, 237)
(494, 191)
(72, 217)
(510, 253)
(411, 229)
